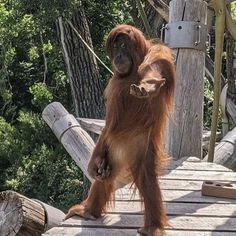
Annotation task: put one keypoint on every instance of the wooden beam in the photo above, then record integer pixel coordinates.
(93, 125)
(225, 151)
(75, 140)
(185, 132)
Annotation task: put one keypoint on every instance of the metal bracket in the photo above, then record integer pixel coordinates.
(186, 34)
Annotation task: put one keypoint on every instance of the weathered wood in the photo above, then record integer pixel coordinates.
(176, 222)
(173, 209)
(22, 216)
(193, 163)
(75, 140)
(185, 133)
(189, 212)
(75, 231)
(53, 215)
(170, 184)
(93, 125)
(200, 175)
(225, 151)
(175, 196)
(96, 126)
(231, 108)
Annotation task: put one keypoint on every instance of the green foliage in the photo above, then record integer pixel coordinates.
(208, 103)
(208, 106)
(32, 161)
(47, 175)
(233, 11)
(41, 95)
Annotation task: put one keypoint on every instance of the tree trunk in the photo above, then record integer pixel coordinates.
(231, 75)
(154, 19)
(82, 69)
(230, 66)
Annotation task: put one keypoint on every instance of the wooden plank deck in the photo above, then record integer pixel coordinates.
(189, 213)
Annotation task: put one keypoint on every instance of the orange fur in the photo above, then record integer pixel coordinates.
(132, 142)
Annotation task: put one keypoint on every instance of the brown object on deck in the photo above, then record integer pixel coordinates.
(22, 216)
(219, 189)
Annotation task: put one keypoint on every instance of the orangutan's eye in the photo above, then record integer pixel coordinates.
(122, 45)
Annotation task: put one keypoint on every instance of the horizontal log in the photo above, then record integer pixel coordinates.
(53, 215)
(225, 151)
(22, 216)
(231, 109)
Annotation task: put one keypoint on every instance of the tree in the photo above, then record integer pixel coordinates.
(82, 66)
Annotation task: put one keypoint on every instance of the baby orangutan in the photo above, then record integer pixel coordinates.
(131, 147)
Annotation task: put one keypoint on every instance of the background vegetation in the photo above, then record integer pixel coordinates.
(32, 161)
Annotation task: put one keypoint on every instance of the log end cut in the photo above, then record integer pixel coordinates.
(20, 215)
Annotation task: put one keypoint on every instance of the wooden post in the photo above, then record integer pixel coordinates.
(185, 131)
(75, 140)
(225, 151)
(22, 216)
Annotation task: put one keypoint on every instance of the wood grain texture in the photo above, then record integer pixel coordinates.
(193, 163)
(176, 222)
(176, 196)
(75, 140)
(189, 212)
(20, 215)
(93, 125)
(225, 151)
(185, 133)
(178, 208)
(76, 231)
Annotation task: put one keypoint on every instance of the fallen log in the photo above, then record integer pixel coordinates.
(22, 216)
(225, 151)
